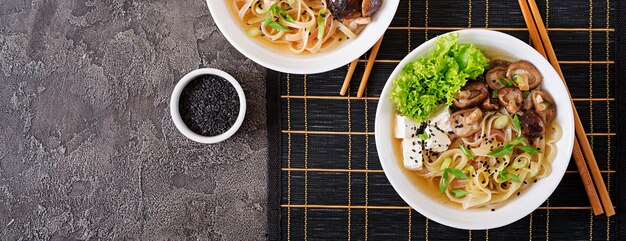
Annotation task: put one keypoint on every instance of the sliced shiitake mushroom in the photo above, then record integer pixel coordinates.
(471, 95)
(490, 104)
(528, 101)
(499, 62)
(510, 98)
(466, 122)
(369, 7)
(524, 75)
(544, 105)
(532, 124)
(494, 77)
(344, 9)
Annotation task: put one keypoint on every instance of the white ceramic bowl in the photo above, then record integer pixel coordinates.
(495, 44)
(178, 121)
(282, 61)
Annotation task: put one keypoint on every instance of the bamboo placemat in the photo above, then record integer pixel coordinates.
(326, 182)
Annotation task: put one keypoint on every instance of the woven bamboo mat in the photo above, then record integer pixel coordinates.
(326, 182)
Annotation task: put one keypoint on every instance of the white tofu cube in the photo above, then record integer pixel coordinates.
(405, 127)
(441, 116)
(437, 141)
(412, 153)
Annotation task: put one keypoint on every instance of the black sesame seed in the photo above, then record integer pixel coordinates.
(209, 105)
(493, 209)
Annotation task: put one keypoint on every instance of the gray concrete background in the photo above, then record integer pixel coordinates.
(88, 150)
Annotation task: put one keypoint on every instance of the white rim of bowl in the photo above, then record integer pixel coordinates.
(525, 210)
(355, 50)
(178, 121)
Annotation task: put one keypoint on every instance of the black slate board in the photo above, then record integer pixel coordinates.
(311, 150)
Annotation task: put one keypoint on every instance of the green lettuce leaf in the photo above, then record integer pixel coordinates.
(428, 82)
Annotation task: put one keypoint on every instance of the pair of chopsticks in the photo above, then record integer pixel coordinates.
(366, 74)
(583, 155)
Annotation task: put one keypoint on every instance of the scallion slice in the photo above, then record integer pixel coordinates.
(321, 23)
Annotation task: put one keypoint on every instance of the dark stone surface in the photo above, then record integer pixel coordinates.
(88, 150)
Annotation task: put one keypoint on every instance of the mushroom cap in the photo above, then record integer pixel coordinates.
(526, 68)
(532, 124)
(477, 92)
(510, 98)
(493, 75)
(344, 9)
(369, 7)
(499, 62)
(459, 124)
(548, 113)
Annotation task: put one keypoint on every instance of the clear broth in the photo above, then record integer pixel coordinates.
(422, 184)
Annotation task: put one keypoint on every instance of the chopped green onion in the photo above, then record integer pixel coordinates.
(500, 151)
(467, 152)
(506, 176)
(274, 24)
(529, 149)
(525, 93)
(423, 136)
(516, 78)
(508, 147)
(517, 124)
(446, 163)
(321, 23)
(278, 26)
(457, 173)
(443, 183)
(513, 178)
(501, 122)
(280, 12)
(494, 94)
(469, 169)
(445, 179)
(517, 140)
(505, 82)
(459, 192)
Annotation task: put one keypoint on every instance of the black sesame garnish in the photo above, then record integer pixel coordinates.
(493, 209)
(209, 105)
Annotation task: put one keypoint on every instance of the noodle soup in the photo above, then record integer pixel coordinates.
(304, 26)
(474, 132)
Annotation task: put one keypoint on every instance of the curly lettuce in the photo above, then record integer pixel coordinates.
(428, 82)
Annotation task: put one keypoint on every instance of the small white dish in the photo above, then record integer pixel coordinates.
(178, 121)
(496, 44)
(258, 51)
